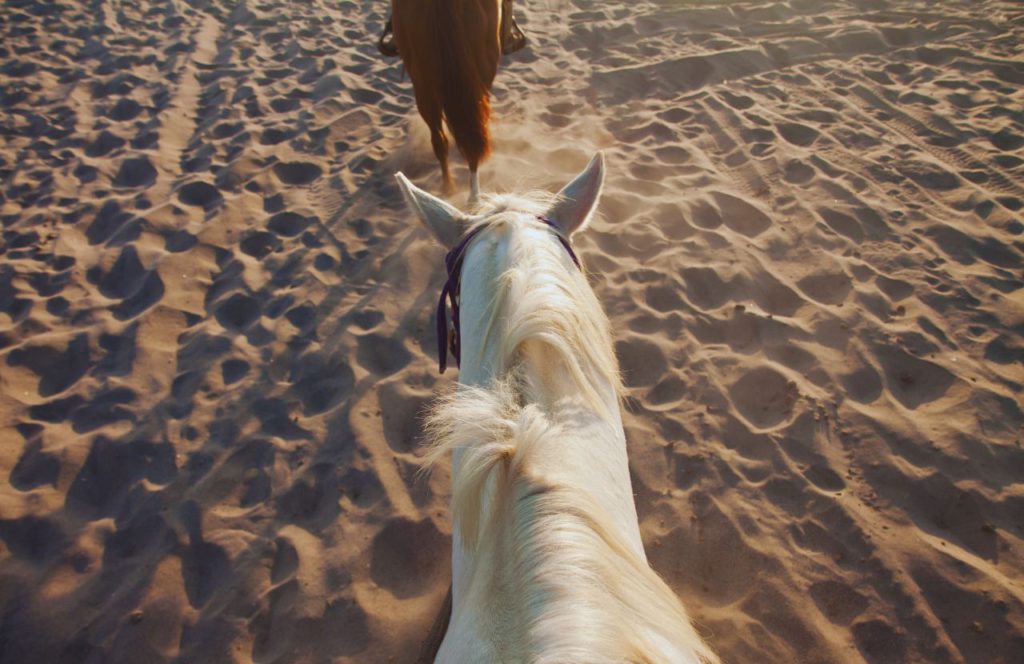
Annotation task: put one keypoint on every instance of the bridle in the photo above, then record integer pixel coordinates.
(448, 336)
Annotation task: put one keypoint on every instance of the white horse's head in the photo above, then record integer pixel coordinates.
(514, 251)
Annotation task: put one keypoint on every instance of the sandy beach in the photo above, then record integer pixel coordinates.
(217, 339)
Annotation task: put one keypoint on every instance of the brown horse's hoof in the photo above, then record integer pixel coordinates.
(386, 43)
(514, 41)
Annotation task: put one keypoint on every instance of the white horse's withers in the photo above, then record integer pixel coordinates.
(548, 564)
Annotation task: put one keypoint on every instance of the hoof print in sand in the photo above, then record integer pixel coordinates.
(764, 397)
(382, 355)
(112, 226)
(912, 381)
(200, 194)
(128, 281)
(134, 173)
(289, 224)
(260, 244)
(320, 382)
(312, 500)
(238, 312)
(297, 172)
(112, 469)
(33, 539)
(735, 213)
(407, 556)
(104, 144)
(57, 369)
(797, 134)
(179, 241)
(234, 370)
(826, 288)
(643, 362)
(35, 466)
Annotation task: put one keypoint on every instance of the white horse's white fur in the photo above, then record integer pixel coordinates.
(549, 564)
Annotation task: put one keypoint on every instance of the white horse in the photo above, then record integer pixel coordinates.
(548, 564)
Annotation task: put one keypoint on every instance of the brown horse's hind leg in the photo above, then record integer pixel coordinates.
(430, 111)
(440, 143)
(474, 187)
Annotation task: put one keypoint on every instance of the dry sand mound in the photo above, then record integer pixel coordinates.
(216, 321)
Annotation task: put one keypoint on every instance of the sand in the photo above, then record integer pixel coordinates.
(216, 321)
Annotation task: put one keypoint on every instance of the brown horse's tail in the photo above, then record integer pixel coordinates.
(467, 66)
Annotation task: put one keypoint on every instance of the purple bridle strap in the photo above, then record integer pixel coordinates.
(450, 293)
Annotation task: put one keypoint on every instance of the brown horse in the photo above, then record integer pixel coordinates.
(451, 49)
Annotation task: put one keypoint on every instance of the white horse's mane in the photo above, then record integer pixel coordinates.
(585, 594)
(588, 597)
(542, 297)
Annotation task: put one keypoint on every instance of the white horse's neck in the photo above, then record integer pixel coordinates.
(519, 282)
(530, 581)
(548, 564)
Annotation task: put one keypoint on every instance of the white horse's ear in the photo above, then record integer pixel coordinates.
(577, 200)
(443, 220)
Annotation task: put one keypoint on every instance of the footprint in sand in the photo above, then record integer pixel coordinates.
(128, 281)
(735, 213)
(797, 172)
(238, 312)
(664, 297)
(843, 224)
(839, 602)
(912, 381)
(234, 370)
(764, 397)
(33, 539)
(125, 109)
(930, 175)
(826, 288)
(205, 566)
(57, 369)
(104, 144)
(275, 135)
(382, 355)
(297, 172)
(320, 381)
(286, 561)
(402, 409)
(367, 319)
(878, 641)
(362, 488)
(179, 241)
(705, 288)
(35, 466)
(102, 409)
(136, 172)
(249, 468)
(200, 194)
(643, 362)
(1006, 140)
(894, 289)
(863, 385)
(110, 471)
(668, 391)
(289, 224)
(112, 225)
(407, 557)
